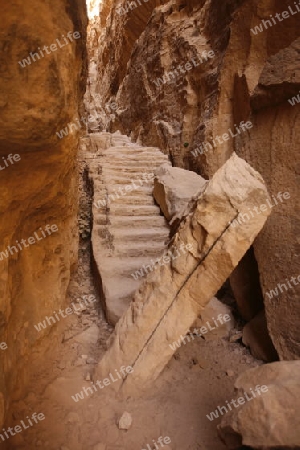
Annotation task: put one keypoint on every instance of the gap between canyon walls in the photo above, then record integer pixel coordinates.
(40, 188)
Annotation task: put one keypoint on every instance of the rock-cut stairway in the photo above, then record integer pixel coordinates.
(128, 229)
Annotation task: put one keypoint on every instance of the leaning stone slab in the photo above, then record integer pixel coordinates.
(270, 420)
(172, 296)
(175, 189)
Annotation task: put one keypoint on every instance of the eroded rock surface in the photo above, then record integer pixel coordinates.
(256, 337)
(175, 189)
(212, 318)
(40, 189)
(270, 420)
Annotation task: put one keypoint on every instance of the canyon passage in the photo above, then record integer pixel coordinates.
(149, 225)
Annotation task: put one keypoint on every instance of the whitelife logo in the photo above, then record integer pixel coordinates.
(279, 17)
(147, 178)
(19, 428)
(106, 381)
(244, 217)
(294, 100)
(222, 318)
(164, 259)
(274, 292)
(49, 229)
(65, 313)
(10, 160)
(3, 346)
(53, 48)
(162, 441)
(242, 128)
(240, 401)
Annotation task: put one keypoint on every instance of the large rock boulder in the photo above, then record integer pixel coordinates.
(271, 420)
(256, 337)
(175, 189)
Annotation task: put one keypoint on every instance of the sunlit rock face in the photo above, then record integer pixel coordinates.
(39, 186)
(93, 8)
(197, 113)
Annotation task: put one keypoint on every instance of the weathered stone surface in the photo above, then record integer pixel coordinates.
(89, 336)
(208, 318)
(172, 297)
(280, 78)
(271, 420)
(175, 189)
(256, 336)
(41, 188)
(129, 233)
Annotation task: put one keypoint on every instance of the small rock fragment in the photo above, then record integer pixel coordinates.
(203, 363)
(91, 361)
(236, 337)
(125, 421)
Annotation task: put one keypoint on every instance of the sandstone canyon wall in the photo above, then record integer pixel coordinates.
(249, 77)
(40, 187)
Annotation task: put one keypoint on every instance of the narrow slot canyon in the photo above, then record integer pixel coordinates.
(149, 250)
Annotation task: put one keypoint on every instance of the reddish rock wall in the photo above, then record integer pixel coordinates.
(41, 187)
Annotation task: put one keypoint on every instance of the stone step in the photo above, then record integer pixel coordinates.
(131, 221)
(114, 183)
(130, 266)
(134, 154)
(124, 234)
(120, 140)
(135, 160)
(132, 172)
(128, 198)
(133, 150)
(118, 292)
(133, 249)
(126, 209)
(138, 164)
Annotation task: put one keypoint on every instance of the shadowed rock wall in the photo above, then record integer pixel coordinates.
(40, 187)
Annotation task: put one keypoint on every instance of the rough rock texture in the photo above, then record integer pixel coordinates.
(175, 188)
(112, 39)
(41, 188)
(129, 233)
(271, 420)
(208, 318)
(171, 298)
(250, 78)
(255, 336)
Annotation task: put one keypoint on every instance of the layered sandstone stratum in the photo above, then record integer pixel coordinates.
(197, 80)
